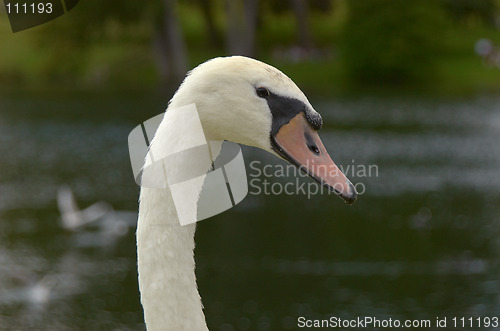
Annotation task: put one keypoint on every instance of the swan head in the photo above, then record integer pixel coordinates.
(246, 101)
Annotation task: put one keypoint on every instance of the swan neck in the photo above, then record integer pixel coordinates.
(166, 266)
(165, 249)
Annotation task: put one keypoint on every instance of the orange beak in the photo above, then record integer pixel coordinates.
(298, 143)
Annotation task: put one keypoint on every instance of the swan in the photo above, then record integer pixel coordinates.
(241, 100)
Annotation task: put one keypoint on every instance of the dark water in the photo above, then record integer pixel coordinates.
(422, 241)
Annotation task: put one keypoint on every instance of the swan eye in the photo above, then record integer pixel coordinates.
(262, 92)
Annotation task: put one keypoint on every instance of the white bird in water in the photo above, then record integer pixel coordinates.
(71, 216)
(243, 101)
(111, 224)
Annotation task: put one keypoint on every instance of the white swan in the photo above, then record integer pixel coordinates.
(240, 100)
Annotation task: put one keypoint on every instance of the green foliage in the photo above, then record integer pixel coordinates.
(109, 43)
(466, 11)
(392, 41)
(94, 42)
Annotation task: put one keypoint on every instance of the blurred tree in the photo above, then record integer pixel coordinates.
(301, 11)
(207, 9)
(241, 18)
(323, 6)
(169, 44)
(92, 23)
(89, 23)
(392, 41)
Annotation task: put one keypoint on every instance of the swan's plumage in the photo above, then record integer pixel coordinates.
(224, 92)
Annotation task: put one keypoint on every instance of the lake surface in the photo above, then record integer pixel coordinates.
(422, 241)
